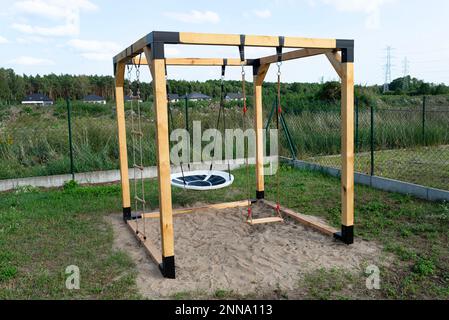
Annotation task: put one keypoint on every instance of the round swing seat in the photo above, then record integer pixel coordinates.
(202, 180)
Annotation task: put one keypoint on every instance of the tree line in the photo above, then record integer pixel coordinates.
(14, 87)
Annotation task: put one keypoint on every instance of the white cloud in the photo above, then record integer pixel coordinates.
(194, 16)
(3, 40)
(262, 13)
(66, 13)
(95, 50)
(31, 61)
(371, 8)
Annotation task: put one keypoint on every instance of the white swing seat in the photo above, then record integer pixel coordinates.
(265, 220)
(202, 180)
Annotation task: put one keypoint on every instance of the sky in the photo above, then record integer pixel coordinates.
(82, 36)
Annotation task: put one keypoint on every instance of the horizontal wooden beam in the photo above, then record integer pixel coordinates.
(151, 249)
(296, 54)
(221, 40)
(254, 40)
(217, 206)
(304, 219)
(191, 61)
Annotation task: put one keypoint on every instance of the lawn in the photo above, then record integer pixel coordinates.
(427, 166)
(44, 231)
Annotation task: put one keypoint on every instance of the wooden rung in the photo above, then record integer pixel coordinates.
(138, 167)
(265, 220)
(304, 219)
(140, 200)
(137, 133)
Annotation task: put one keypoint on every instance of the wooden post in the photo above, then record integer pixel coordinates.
(121, 125)
(347, 149)
(157, 67)
(259, 75)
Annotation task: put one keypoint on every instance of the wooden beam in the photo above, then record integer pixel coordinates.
(304, 219)
(121, 128)
(255, 40)
(217, 206)
(258, 125)
(347, 143)
(264, 220)
(163, 157)
(191, 61)
(151, 249)
(335, 59)
(296, 54)
(226, 40)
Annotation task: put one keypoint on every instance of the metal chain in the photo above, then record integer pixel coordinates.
(278, 114)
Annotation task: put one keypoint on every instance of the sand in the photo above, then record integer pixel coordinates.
(216, 250)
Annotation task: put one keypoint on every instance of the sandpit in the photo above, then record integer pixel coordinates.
(216, 250)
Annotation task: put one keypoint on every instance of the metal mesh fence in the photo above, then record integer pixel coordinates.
(408, 143)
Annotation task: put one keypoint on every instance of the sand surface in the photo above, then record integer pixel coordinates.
(216, 250)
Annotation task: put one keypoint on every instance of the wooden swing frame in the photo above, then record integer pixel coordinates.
(340, 53)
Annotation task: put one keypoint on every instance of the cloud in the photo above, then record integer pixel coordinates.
(66, 15)
(95, 50)
(194, 16)
(3, 40)
(371, 8)
(262, 13)
(31, 61)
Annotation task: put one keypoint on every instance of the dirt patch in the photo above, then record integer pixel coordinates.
(216, 250)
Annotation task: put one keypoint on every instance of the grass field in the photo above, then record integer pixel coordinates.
(43, 231)
(428, 166)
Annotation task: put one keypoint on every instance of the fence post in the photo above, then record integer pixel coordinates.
(356, 125)
(372, 140)
(69, 120)
(424, 120)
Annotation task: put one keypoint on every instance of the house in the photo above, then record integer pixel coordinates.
(129, 98)
(93, 98)
(196, 96)
(37, 99)
(234, 97)
(173, 97)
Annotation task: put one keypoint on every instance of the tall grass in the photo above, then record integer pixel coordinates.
(34, 141)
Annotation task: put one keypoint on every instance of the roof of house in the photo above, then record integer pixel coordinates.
(93, 97)
(173, 96)
(37, 97)
(231, 95)
(197, 95)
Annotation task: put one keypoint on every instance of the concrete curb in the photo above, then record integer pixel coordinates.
(385, 184)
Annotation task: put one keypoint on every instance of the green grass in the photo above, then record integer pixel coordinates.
(44, 231)
(427, 166)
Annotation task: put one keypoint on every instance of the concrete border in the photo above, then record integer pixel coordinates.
(385, 184)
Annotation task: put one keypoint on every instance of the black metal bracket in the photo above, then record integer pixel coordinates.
(347, 50)
(260, 194)
(346, 235)
(127, 213)
(256, 65)
(279, 48)
(223, 67)
(242, 47)
(167, 267)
